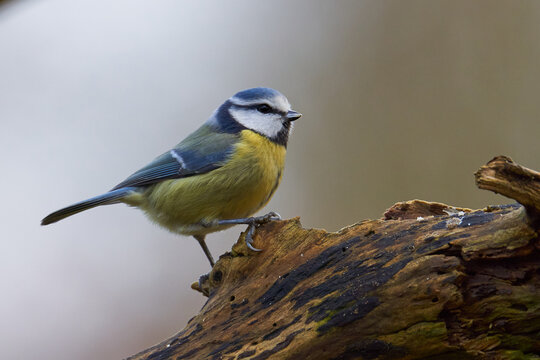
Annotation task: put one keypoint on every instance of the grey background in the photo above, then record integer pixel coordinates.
(401, 100)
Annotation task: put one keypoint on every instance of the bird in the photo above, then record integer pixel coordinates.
(217, 177)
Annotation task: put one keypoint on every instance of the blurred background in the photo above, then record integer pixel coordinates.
(401, 100)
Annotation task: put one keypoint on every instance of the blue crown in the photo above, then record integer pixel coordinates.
(257, 93)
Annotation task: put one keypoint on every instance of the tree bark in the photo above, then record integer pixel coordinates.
(427, 281)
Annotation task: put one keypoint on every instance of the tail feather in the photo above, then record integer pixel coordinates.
(112, 197)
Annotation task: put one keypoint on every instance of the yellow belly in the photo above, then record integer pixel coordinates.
(238, 189)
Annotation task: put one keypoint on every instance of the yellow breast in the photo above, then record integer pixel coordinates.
(238, 189)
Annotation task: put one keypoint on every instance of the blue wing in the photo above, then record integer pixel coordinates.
(203, 151)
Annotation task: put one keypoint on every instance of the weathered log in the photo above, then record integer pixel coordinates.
(505, 177)
(428, 281)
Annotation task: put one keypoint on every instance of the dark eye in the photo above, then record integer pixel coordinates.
(265, 109)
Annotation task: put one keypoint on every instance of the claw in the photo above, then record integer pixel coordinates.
(253, 223)
(249, 238)
(202, 281)
(271, 216)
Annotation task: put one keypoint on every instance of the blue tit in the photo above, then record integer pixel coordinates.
(215, 178)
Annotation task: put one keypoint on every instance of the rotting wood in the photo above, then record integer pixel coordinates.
(428, 281)
(503, 176)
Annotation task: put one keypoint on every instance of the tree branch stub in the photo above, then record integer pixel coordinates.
(503, 176)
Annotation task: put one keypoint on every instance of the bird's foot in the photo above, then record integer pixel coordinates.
(253, 223)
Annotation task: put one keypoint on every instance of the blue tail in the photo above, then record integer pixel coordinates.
(112, 197)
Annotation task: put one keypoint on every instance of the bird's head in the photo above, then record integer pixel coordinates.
(263, 110)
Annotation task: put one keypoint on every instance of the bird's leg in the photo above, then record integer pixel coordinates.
(200, 239)
(254, 223)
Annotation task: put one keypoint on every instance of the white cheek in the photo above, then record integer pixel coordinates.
(267, 124)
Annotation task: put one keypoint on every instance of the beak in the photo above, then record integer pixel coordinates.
(293, 115)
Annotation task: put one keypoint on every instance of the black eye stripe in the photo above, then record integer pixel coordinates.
(264, 108)
(256, 106)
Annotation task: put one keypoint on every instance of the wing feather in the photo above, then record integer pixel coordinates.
(201, 152)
